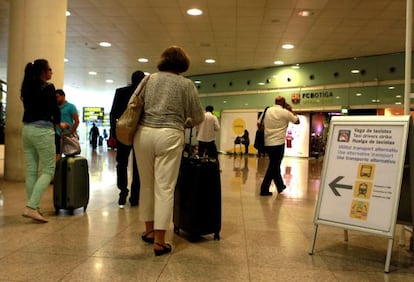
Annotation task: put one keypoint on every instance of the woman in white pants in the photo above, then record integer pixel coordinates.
(171, 100)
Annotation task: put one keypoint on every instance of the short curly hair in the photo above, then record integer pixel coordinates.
(174, 59)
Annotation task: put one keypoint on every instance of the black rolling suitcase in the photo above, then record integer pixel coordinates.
(71, 184)
(197, 198)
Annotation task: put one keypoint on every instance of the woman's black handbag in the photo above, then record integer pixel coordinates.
(259, 140)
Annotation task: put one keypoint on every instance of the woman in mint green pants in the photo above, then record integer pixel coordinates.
(41, 113)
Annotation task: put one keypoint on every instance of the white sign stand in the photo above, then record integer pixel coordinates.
(362, 175)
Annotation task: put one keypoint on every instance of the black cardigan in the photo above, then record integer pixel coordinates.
(41, 104)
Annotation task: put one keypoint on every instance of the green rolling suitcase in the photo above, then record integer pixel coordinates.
(71, 184)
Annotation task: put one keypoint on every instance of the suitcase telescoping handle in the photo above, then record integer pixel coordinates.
(188, 148)
(190, 136)
(189, 124)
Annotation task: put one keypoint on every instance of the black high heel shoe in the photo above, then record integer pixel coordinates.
(166, 248)
(147, 239)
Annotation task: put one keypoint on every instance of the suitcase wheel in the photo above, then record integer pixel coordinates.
(216, 236)
(176, 230)
(84, 208)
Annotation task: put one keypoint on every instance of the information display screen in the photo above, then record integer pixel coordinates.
(91, 114)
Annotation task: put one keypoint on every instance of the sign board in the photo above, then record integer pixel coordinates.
(297, 137)
(362, 173)
(91, 114)
(234, 122)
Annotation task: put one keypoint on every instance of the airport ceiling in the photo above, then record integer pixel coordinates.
(237, 34)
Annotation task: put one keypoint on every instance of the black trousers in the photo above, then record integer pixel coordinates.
(246, 148)
(275, 154)
(122, 156)
(207, 148)
(94, 142)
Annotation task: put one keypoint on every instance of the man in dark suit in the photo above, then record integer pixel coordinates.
(122, 96)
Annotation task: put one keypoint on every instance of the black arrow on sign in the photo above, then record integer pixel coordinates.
(335, 185)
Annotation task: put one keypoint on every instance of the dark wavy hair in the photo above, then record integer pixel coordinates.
(209, 108)
(136, 77)
(32, 73)
(174, 59)
(60, 92)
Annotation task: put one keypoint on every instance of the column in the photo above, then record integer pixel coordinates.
(37, 30)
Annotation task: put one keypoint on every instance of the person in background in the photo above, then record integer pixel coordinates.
(93, 135)
(41, 114)
(206, 134)
(171, 104)
(105, 134)
(121, 98)
(100, 141)
(68, 114)
(245, 140)
(276, 121)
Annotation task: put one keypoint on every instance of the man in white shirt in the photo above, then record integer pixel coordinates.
(276, 121)
(206, 134)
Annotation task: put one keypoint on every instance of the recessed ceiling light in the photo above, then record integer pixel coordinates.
(296, 66)
(398, 103)
(109, 81)
(92, 73)
(338, 97)
(358, 94)
(305, 13)
(279, 63)
(288, 46)
(66, 60)
(398, 96)
(143, 60)
(68, 13)
(197, 81)
(210, 61)
(261, 83)
(354, 71)
(105, 44)
(391, 87)
(194, 12)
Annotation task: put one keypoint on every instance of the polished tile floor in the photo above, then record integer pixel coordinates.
(262, 238)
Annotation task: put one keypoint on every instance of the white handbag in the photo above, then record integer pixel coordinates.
(70, 145)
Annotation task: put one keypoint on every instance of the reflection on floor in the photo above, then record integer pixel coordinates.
(262, 238)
